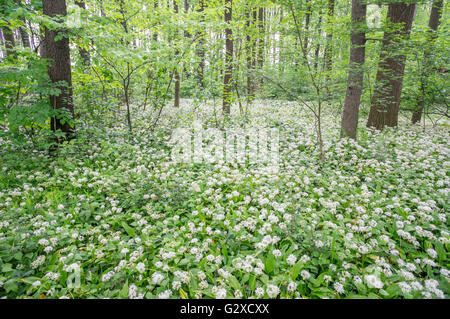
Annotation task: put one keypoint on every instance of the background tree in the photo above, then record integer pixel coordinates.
(356, 71)
(176, 102)
(388, 86)
(433, 25)
(84, 53)
(227, 85)
(8, 37)
(328, 53)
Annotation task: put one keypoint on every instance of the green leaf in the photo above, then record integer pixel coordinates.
(183, 294)
(128, 229)
(270, 263)
(11, 286)
(296, 270)
(7, 267)
(124, 291)
(252, 282)
(234, 283)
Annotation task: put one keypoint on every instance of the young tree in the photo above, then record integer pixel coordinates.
(56, 49)
(386, 98)
(356, 71)
(227, 85)
(433, 25)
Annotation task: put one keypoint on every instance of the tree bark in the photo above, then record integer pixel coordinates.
(328, 55)
(24, 35)
(102, 11)
(356, 71)
(23, 32)
(317, 49)
(58, 54)
(433, 25)
(261, 43)
(388, 84)
(227, 85)
(186, 11)
(254, 47)
(201, 45)
(8, 37)
(84, 54)
(249, 57)
(307, 21)
(176, 102)
(155, 6)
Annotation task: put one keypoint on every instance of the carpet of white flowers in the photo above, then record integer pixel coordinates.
(370, 221)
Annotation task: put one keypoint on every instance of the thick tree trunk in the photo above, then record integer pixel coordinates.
(227, 85)
(433, 24)
(356, 71)
(58, 54)
(388, 86)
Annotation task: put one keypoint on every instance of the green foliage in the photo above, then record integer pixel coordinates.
(24, 103)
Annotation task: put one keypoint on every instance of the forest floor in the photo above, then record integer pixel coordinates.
(114, 216)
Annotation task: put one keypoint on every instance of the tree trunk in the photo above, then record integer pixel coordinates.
(10, 43)
(176, 102)
(388, 85)
(261, 44)
(249, 57)
(328, 55)
(22, 30)
(307, 21)
(356, 71)
(317, 49)
(58, 54)
(186, 11)
(201, 45)
(254, 48)
(24, 35)
(102, 11)
(433, 25)
(227, 85)
(2, 41)
(84, 54)
(155, 6)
